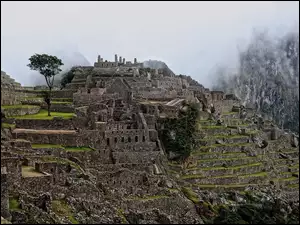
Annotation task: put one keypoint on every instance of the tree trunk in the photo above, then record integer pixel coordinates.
(49, 102)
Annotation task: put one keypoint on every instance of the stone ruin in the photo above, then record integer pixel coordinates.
(116, 107)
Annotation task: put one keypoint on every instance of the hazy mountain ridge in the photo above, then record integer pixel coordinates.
(268, 77)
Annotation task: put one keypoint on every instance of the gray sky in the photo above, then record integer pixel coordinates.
(191, 37)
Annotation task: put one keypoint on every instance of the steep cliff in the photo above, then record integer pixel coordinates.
(268, 77)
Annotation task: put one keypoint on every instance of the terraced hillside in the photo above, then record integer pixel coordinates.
(233, 158)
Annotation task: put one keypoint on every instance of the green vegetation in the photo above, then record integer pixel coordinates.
(213, 137)
(18, 106)
(226, 144)
(63, 99)
(190, 194)
(62, 209)
(67, 77)
(8, 125)
(122, 216)
(67, 148)
(178, 133)
(231, 167)
(14, 204)
(222, 185)
(62, 102)
(213, 127)
(46, 146)
(173, 190)
(43, 115)
(229, 113)
(218, 154)
(48, 66)
(192, 176)
(76, 149)
(227, 159)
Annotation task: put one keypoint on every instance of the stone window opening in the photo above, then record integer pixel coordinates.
(129, 139)
(123, 139)
(116, 139)
(144, 139)
(136, 139)
(107, 141)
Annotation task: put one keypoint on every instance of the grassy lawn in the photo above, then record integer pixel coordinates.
(225, 144)
(29, 171)
(190, 194)
(43, 115)
(63, 99)
(67, 148)
(14, 204)
(223, 136)
(228, 159)
(77, 149)
(8, 125)
(218, 153)
(18, 106)
(229, 113)
(46, 146)
(223, 185)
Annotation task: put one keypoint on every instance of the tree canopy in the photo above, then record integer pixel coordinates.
(46, 65)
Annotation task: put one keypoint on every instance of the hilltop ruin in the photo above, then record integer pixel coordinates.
(99, 157)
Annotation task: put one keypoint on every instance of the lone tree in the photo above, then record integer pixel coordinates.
(48, 66)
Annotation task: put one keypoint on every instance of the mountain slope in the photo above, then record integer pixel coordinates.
(268, 77)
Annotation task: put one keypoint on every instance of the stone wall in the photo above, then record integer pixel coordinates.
(4, 194)
(224, 105)
(59, 171)
(135, 157)
(13, 168)
(82, 98)
(123, 178)
(55, 124)
(35, 185)
(67, 108)
(126, 136)
(154, 93)
(20, 111)
(135, 147)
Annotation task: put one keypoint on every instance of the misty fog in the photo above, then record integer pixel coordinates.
(190, 37)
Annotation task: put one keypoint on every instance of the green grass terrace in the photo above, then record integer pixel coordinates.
(66, 148)
(17, 106)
